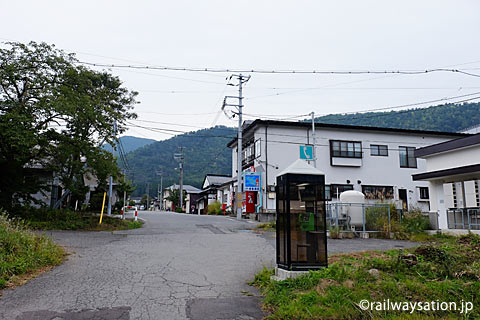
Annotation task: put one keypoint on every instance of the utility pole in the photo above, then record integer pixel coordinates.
(124, 192)
(148, 194)
(160, 192)
(110, 187)
(180, 158)
(313, 140)
(241, 80)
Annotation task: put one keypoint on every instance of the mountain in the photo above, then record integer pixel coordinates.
(205, 151)
(130, 143)
(447, 117)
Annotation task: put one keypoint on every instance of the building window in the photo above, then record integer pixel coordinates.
(328, 194)
(258, 150)
(345, 149)
(378, 192)
(407, 157)
(424, 193)
(378, 150)
(337, 189)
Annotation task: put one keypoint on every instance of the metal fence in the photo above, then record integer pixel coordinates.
(365, 217)
(465, 218)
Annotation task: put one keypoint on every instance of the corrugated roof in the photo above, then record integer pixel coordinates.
(188, 188)
(217, 180)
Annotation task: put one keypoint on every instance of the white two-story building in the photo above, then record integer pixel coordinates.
(376, 161)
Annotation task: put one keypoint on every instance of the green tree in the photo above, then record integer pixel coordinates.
(125, 186)
(55, 114)
(175, 197)
(144, 200)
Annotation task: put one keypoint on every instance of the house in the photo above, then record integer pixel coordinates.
(210, 186)
(225, 193)
(453, 173)
(92, 183)
(190, 191)
(52, 191)
(55, 194)
(376, 161)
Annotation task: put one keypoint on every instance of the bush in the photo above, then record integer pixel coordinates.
(412, 222)
(214, 208)
(376, 219)
(334, 232)
(21, 251)
(415, 222)
(179, 210)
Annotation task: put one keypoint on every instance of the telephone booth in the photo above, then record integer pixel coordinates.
(301, 220)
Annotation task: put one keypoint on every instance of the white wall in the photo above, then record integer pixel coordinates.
(457, 158)
(283, 149)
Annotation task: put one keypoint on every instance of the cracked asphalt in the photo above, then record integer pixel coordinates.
(176, 267)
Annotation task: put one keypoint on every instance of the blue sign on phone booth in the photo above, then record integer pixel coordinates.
(306, 152)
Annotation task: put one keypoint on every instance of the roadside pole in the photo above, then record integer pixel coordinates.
(103, 206)
(241, 80)
(110, 187)
(124, 192)
(313, 140)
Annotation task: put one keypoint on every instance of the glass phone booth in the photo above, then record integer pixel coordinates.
(301, 220)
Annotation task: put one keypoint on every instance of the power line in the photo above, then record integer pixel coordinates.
(414, 104)
(340, 115)
(327, 72)
(382, 114)
(280, 141)
(177, 114)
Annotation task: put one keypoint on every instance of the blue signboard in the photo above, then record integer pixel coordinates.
(251, 182)
(306, 152)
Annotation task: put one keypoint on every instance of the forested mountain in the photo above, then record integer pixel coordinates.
(206, 150)
(130, 143)
(448, 117)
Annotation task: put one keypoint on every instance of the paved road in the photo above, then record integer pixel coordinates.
(176, 267)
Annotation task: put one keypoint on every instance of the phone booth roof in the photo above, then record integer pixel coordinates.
(301, 167)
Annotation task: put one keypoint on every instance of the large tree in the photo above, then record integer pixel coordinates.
(55, 114)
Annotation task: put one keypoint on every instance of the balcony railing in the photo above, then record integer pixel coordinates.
(465, 218)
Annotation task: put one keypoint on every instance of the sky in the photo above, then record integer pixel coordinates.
(261, 35)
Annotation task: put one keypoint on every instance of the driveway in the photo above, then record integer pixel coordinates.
(176, 267)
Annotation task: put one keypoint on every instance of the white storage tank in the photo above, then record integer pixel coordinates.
(352, 206)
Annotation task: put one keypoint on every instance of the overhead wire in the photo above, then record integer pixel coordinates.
(234, 70)
(176, 132)
(272, 140)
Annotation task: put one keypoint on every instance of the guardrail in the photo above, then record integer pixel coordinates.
(135, 214)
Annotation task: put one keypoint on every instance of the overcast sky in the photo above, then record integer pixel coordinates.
(273, 35)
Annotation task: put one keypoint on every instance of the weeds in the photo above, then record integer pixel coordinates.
(446, 270)
(267, 226)
(50, 219)
(22, 251)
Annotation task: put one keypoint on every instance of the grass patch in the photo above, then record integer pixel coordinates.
(267, 226)
(23, 254)
(49, 219)
(447, 270)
